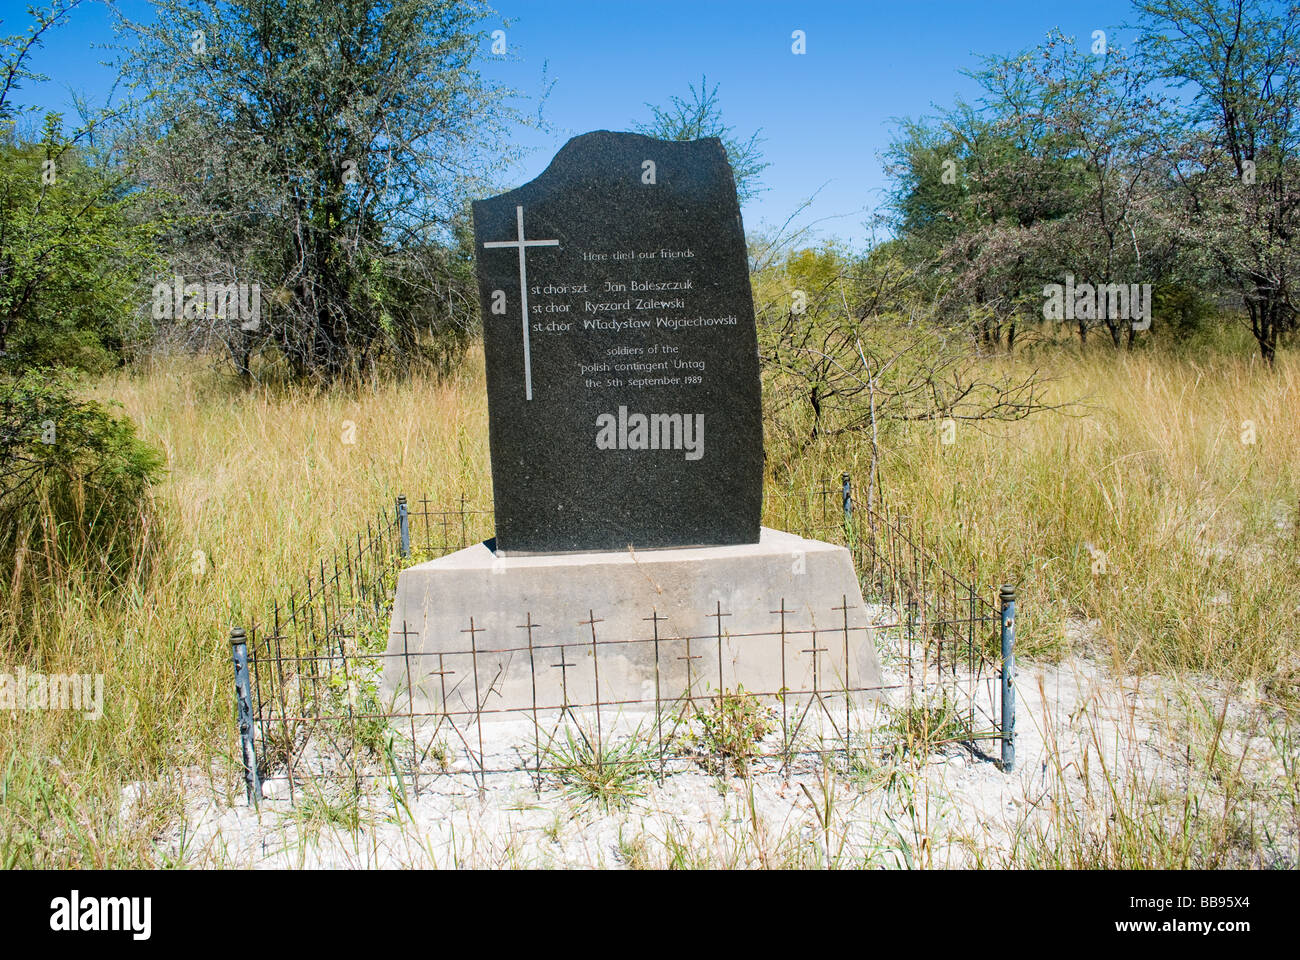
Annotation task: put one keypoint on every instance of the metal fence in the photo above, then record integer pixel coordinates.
(308, 676)
(952, 640)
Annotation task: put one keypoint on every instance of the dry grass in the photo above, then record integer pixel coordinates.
(1142, 508)
(1197, 528)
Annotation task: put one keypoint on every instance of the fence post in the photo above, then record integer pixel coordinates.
(847, 483)
(404, 526)
(244, 704)
(1008, 597)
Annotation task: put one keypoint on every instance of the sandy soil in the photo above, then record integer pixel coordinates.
(1080, 729)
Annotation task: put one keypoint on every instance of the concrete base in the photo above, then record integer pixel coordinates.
(665, 621)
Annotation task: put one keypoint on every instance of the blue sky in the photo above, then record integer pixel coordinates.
(825, 116)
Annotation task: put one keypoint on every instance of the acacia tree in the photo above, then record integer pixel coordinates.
(325, 149)
(1235, 145)
(980, 191)
(699, 115)
(1052, 173)
(1101, 110)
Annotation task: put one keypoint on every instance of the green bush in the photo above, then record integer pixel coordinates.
(75, 489)
(73, 248)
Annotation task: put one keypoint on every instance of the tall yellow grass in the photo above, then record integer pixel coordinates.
(1194, 562)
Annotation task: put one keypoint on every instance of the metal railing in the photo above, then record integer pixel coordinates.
(308, 676)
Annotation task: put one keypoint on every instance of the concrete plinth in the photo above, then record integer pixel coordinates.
(634, 629)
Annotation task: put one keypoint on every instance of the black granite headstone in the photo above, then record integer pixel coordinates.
(622, 359)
